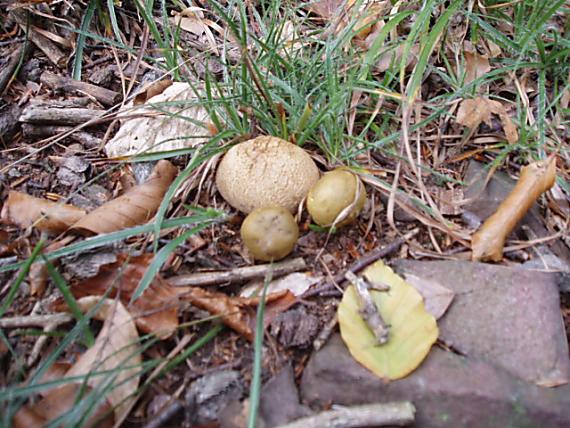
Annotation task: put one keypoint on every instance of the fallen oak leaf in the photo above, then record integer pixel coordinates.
(136, 206)
(536, 178)
(46, 216)
(115, 352)
(472, 112)
(235, 312)
(156, 311)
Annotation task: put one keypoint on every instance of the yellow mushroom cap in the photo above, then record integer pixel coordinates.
(269, 233)
(265, 171)
(335, 192)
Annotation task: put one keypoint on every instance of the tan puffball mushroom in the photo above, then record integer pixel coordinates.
(337, 193)
(266, 171)
(269, 233)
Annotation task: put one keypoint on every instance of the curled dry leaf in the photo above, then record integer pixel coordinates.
(472, 112)
(536, 178)
(151, 90)
(437, 298)
(156, 311)
(171, 120)
(115, 351)
(412, 329)
(47, 216)
(236, 312)
(136, 206)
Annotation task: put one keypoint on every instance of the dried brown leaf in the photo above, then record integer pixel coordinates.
(135, 207)
(56, 403)
(236, 312)
(151, 90)
(156, 311)
(475, 66)
(473, 112)
(47, 216)
(326, 9)
(437, 298)
(536, 178)
(115, 350)
(232, 313)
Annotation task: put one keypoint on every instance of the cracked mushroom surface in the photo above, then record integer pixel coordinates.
(266, 171)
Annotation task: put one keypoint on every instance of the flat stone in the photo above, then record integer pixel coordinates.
(448, 391)
(506, 316)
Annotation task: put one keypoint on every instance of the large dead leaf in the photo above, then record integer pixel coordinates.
(156, 311)
(168, 121)
(473, 112)
(412, 329)
(536, 178)
(115, 350)
(136, 206)
(236, 312)
(48, 216)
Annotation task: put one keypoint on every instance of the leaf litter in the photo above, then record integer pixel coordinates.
(173, 119)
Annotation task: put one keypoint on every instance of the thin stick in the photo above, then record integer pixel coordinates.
(362, 263)
(367, 415)
(238, 274)
(35, 320)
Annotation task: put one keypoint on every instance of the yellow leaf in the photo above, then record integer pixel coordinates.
(412, 330)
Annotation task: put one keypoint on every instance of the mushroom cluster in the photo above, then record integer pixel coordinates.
(268, 178)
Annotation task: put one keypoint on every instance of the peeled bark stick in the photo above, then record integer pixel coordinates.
(35, 320)
(88, 140)
(366, 415)
(59, 116)
(536, 178)
(238, 274)
(66, 84)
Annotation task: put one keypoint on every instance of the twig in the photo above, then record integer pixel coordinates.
(362, 263)
(238, 274)
(66, 84)
(35, 320)
(367, 415)
(325, 333)
(60, 116)
(368, 308)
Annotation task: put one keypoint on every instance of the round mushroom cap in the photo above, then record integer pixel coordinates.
(269, 233)
(266, 171)
(336, 191)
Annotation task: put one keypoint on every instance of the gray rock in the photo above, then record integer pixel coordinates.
(507, 316)
(211, 393)
(448, 391)
(279, 404)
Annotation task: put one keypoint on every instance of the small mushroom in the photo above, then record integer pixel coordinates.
(337, 198)
(269, 233)
(266, 171)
